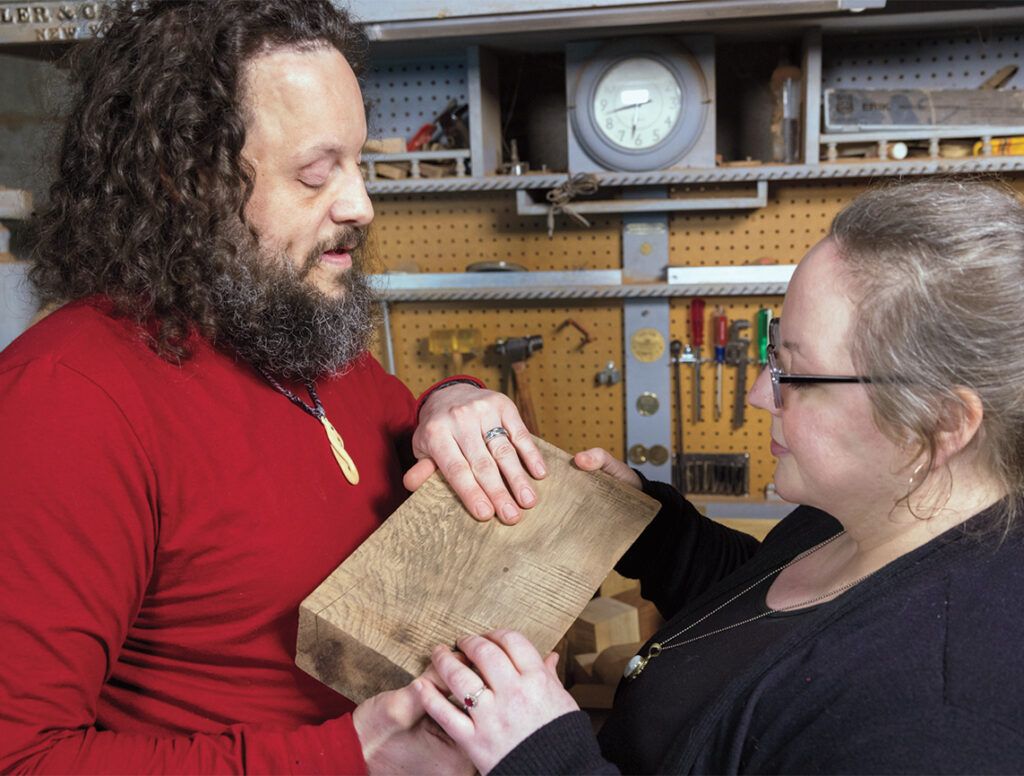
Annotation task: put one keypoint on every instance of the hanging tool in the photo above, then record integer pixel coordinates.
(586, 338)
(697, 336)
(676, 351)
(610, 375)
(764, 317)
(720, 330)
(514, 352)
(448, 129)
(736, 355)
(453, 345)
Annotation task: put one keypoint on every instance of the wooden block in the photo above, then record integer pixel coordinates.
(395, 172)
(15, 203)
(615, 583)
(562, 667)
(384, 145)
(581, 668)
(604, 621)
(428, 170)
(882, 109)
(431, 573)
(593, 696)
(610, 664)
(650, 619)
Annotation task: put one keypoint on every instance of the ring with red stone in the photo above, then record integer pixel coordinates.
(472, 700)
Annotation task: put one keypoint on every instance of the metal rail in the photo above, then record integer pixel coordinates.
(766, 172)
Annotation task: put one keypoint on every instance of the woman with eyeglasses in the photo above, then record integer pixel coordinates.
(879, 627)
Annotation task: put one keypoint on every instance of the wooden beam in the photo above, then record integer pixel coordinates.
(431, 573)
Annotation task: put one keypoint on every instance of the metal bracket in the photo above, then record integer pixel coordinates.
(525, 206)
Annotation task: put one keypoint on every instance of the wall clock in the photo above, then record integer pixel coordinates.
(640, 104)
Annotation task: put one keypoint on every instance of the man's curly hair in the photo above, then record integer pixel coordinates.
(151, 173)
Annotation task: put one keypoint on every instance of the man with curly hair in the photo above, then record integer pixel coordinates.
(198, 436)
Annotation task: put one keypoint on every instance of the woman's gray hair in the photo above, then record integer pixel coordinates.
(938, 268)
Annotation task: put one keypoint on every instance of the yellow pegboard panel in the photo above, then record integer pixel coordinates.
(572, 411)
(445, 233)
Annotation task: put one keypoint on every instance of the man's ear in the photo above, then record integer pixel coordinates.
(960, 425)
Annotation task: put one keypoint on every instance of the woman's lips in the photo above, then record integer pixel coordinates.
(777, 449)
(337, 258)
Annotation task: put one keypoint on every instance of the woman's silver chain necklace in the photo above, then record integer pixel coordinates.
(638, 663)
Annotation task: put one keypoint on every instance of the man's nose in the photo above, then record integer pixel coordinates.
(351, 204)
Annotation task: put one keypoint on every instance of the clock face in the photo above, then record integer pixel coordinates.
(637, 103)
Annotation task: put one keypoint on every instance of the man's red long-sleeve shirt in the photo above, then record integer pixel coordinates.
(159, 526)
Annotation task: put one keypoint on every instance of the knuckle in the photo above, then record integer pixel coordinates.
(456, 470)
(502, 448)
(522, 436)
(482, 464)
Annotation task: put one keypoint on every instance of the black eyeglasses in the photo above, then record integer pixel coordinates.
(778, 376)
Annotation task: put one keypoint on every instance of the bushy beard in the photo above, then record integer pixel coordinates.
(272, 316)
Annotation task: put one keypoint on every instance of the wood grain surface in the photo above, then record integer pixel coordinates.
(431, 573)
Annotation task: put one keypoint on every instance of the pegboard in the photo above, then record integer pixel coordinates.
(444, 234)
(961, 59)
(403, 96)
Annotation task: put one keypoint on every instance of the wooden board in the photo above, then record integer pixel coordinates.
(849, 110)
(431, 573)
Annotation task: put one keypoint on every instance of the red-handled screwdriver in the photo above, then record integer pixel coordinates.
(720, 327)
(697, 335)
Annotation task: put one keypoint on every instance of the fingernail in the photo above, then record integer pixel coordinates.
(509, 511)
(483, 510)
(527, 497)
(541, 469)
(417, 685)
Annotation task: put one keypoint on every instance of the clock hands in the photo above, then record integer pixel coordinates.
(631, 105)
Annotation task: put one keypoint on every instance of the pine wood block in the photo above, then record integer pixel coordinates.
(384, 145)
(431, 573)
(650, 619)
(394, 172)
(603, 622)
(15, 203)
(428, 170)
(610, 664)
(615, 583)
(593, 696)
(562, 667)
(581, 668)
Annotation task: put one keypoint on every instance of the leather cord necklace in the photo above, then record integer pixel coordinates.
(345, 462)
(638, 663)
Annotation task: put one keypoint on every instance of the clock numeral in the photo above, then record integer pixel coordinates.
(668, 121)
(609, 124)
(622, 135)
(639, 141)
(604, 103)
(657, 135)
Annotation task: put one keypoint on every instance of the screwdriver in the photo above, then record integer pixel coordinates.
(720, 327)
(764, 315)
(697, 335)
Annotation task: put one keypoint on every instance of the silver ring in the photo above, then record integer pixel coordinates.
(494, 433)
(472, 700)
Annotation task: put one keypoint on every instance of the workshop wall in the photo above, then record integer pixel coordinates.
(445, 234)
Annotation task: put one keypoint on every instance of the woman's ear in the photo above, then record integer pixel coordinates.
(960, 425)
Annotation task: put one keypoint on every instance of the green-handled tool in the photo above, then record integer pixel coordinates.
(764, 316)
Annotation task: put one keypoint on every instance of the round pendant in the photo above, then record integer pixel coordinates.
(634, 667)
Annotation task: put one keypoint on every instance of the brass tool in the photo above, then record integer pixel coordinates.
(454, 345)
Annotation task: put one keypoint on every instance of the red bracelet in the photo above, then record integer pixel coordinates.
(445, 383)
